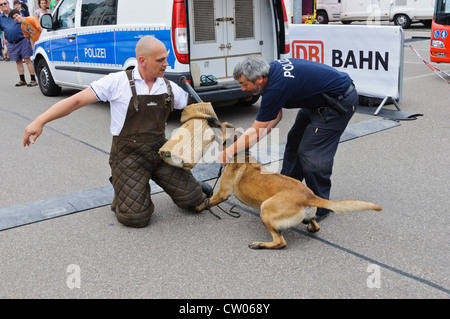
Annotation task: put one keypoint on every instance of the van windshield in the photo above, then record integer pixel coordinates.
(442, 12)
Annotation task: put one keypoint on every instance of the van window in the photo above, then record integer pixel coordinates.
(244, 19)
(204, 23)
(98, 12)
(66, 14)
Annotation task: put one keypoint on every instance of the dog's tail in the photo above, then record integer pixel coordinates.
(344, 206)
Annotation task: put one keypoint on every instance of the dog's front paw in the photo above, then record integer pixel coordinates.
(200, 207)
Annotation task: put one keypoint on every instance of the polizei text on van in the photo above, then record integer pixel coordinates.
(95, 53)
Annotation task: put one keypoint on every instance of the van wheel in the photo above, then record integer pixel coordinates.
(322, 17)
(402, 20)
(46, 83)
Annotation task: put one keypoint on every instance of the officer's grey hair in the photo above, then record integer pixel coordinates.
(251, 67)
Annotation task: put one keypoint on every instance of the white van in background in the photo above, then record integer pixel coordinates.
(328, 11)
(401, 12)
(404, 12)
(86, 39)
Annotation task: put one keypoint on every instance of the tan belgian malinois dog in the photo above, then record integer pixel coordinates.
(283, 201)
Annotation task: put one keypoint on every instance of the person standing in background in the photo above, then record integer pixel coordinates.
(53, 4)
(19, 47)
(18, 6)
(31, 27)
(42, 9)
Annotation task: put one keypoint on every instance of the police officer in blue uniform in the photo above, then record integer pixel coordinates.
(327, 100)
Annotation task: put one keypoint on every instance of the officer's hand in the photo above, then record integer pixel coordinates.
(223, 158)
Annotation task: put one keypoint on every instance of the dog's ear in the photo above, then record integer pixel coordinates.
(213, 122)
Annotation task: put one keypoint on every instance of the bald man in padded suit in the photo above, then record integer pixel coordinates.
(141, 100)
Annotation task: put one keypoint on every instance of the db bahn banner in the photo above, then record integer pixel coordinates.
(371, 55)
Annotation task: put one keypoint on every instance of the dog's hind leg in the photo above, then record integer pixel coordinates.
(277, 243)
(313, 226)
(310, 219)
(268, 216)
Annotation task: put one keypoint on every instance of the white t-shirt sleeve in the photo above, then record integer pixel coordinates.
(110, 87)
(115, 89)
(180, 96)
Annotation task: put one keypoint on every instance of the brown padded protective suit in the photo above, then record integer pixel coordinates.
(134, 160)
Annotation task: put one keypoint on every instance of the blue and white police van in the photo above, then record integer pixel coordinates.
(84, 40)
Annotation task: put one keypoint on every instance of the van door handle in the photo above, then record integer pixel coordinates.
(71, 37)
(225, 19)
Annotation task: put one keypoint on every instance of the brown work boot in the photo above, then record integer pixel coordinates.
(21, 83)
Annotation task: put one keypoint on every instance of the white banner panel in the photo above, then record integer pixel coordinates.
(371, 55)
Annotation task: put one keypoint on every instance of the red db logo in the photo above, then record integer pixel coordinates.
(308, 50)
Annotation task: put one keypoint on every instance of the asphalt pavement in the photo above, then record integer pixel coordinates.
(401, 252)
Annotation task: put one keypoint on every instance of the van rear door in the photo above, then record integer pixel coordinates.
(221, 32)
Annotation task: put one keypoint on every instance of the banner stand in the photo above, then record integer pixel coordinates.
(384, 102)
(400, 85)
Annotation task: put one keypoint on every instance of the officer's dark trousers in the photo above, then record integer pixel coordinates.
(312, 143)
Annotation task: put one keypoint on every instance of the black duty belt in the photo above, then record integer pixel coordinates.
(335, 102)
(350, 88)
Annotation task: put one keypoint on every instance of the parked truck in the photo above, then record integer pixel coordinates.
(401, 12)
(328, 11)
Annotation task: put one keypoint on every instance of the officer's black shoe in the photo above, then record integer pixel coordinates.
(207, 189)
